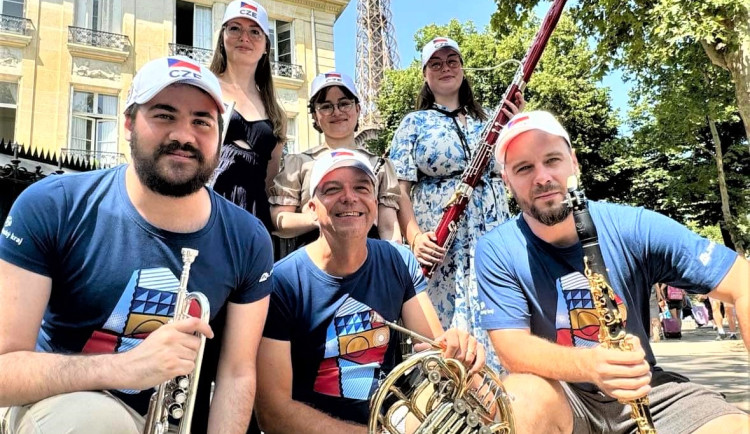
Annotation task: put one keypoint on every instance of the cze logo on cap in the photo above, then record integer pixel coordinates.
(179, 68)
(333, 77)
(439, 42)
(517, 121)
(338, 154)
(249, 10)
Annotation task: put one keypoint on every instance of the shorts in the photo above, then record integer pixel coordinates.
(675, 304)
(677, 406)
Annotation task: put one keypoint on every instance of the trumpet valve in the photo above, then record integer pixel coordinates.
(176, 410)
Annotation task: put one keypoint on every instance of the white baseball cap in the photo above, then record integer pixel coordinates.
(526, 121)
(436, 44)
(156, 75)
(335, 159)
(247, 9)
(332, 78)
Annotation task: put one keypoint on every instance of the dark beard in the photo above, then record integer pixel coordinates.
(548, 218)
(148, 170)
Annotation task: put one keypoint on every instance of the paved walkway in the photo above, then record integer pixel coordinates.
(720, 365)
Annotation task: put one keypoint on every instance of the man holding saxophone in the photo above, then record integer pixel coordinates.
(325, 347)
(544, 319)
(89, 266)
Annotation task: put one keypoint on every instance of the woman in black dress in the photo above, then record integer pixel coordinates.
(257, 127)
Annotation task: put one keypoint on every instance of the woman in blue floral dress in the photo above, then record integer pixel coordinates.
(430, 150)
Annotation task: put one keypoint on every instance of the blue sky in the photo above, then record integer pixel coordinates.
(411, 15)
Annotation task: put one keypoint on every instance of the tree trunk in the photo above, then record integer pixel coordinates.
(737, 62)
(725, 210)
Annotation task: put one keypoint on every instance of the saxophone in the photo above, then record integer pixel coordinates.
(428, 393)
(612, 332)
(176, 397)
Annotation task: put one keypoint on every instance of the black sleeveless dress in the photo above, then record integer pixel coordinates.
(241, 173)
(241, 178)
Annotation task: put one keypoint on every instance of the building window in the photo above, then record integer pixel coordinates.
(193, 25)
(281, 41)
(13, 8)
(291, 147)
(93, 123)
(8, 102)
(102, 15)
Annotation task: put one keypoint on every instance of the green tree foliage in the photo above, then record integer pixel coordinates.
(563, 83)
(684, 58)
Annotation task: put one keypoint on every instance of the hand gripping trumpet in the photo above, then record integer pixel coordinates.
(176, 397)
(428, 393)
(612, 332)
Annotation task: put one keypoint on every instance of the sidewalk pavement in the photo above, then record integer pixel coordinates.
(720, 365)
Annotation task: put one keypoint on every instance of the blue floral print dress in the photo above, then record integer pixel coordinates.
(427, 151)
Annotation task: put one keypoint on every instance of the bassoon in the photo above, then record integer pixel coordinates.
(453, 212)
(612, 332)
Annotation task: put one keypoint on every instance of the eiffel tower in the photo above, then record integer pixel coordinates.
(376, 52)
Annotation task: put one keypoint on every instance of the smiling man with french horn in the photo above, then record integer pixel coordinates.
(87, 294)
(328, 343)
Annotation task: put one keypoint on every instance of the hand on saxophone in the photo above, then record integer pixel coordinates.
(624, 375)
(167, 352)
(460, 345)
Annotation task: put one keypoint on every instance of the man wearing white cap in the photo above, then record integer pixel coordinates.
(310, 380)
(334, 107)
(90, 263)
(538, 308)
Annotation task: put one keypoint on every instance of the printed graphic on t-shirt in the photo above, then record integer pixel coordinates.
(146, 303)
(576, 320)
(356, 343)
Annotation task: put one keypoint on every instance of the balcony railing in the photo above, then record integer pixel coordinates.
(97, 38)
(99, 159)
(287, 70)
(202, 55)
(18, 25)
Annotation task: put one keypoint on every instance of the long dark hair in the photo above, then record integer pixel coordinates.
(321, 96)
(426, 99)
(264, 81)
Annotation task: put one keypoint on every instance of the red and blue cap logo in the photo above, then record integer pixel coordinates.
(180, 63)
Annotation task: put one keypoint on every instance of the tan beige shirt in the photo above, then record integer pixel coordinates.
(292, 185)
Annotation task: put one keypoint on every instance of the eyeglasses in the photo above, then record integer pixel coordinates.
(235, 32)
(327, 108)
(437, 64)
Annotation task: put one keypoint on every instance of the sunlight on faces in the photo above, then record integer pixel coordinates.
(537, 166)
(446, 80)
(174, 140)
(339, 124)
(345, 202)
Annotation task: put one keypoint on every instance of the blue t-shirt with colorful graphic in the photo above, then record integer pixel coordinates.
(340, 348)
(114, 275)
(526, 283)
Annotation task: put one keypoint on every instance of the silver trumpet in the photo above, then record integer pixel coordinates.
(176, 397)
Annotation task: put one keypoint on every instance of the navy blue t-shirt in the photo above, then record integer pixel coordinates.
(526, 283)
(340, 349)
(114, 275)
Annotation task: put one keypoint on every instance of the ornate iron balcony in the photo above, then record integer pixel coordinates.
(204, 56)
(98, 159)
(201, 55)
(97, 38)
(287, 70)
(18, 25)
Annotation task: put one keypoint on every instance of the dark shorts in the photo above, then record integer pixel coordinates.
(675, 304)
(676, 407)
